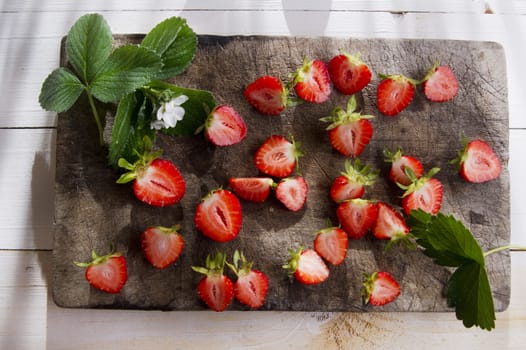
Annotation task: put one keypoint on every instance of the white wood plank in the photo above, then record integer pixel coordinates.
(478, 6)
(29, 320)
(27, 56)
(27, 186)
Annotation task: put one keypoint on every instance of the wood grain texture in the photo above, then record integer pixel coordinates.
(92, 212)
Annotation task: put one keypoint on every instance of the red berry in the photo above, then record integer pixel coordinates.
(267, 95)
(478, 162)
(394, 94)
(348, 73)
(107, 273)
(292, 192)
(277, 156)
(162, 246)
(331, 244)
(215, 288)
(440, 84)
(253, 189)
(380, 288)
(312, 82)
(357, 216)
(307, 266)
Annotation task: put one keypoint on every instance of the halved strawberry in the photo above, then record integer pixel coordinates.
(390, 225)
(357, 216)
(424, 193)
(278, 156)
(253, 189)
(292, 192)
(307, 266)
(162, 246)
(351, 183)
(394, 93)
(349, 131)
(401, 162)
(215, 288)
(331, 244)
(267, 94)
(312, 82)
(224, 126)
(478, 162)
(108, 273)
(348, 73)
(380, 288)
(251, 286)
(440, 84)
(157, 182)
(218, 216)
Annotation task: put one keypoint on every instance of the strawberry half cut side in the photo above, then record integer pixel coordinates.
(390, 225)
(292, 192)
(215, 288)
(350, 131)
(348, 73)
(440, 84)
(162, 246)
(312, 82)
(252, 189)
(107, 273)
(352, 182)
(267, 95)
(424, 193)
(251, 286)
(380, 288)
(357, 216)
(394, 94)
(331, 244)
(278, 156)
(219, 216)
(224, 126)
(307, 266)
(156, 181)
(478, 162)
(399, 163)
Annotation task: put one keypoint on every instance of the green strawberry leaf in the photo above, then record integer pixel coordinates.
(60, 91)
(449, 243)
(197, 108)
(88, 45)
(469, 293)
(128, 68)
(130, 126)
(175, 42)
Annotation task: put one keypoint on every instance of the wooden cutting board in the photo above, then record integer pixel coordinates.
(92, 212)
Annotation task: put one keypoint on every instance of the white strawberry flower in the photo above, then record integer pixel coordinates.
(169, 113)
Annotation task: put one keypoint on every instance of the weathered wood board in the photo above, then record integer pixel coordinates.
(92, 212)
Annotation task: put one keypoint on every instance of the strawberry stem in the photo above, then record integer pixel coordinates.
(506, 247)
(96, 116)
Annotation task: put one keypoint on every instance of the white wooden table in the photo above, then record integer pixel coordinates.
(30, 33)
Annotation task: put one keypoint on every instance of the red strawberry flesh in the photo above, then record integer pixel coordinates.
(380, 288)
(225, 127)
(389, 223)
(277, 156)
(394, 94)
(331, 244)
(161, 246)
(440, 85)
(251, 288)
(479, 163)
(267, 95)
(218, 216)
(313, 82)
(348, 74)
(253, 189)
(292, 192)
(357, 217)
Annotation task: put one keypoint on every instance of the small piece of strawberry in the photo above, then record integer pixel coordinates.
(478, 162)
(307, 266)
(424, 193)
(292, 192)
(357, 216)
(380, 288)
(312, 82)
(399, 163)
(348, 73)
(157, 182)
(278, 156)
(351, 183)
(162, 246)
(267, 95)
(252, 189)
(251, 286)
(440, 84)
(394, 93)
(215, 288)
(390, 225)
(331, 244)
(108, 273)
(218, 216)
(224, 126)
(349, 131)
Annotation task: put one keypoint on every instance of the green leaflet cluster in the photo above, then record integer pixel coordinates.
(449, 243)
(131, 76)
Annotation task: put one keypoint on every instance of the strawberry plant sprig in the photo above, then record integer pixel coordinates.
(129, 76)
(449, 243)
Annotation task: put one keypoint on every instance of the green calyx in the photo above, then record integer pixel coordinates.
(96, 259)
(416, 183)
(292, 264)
(143, 161)
(340, 116)
(400, 78)
(390, 156)
(240, 269)
(368, 285)
(214, 265)
(360, 173)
